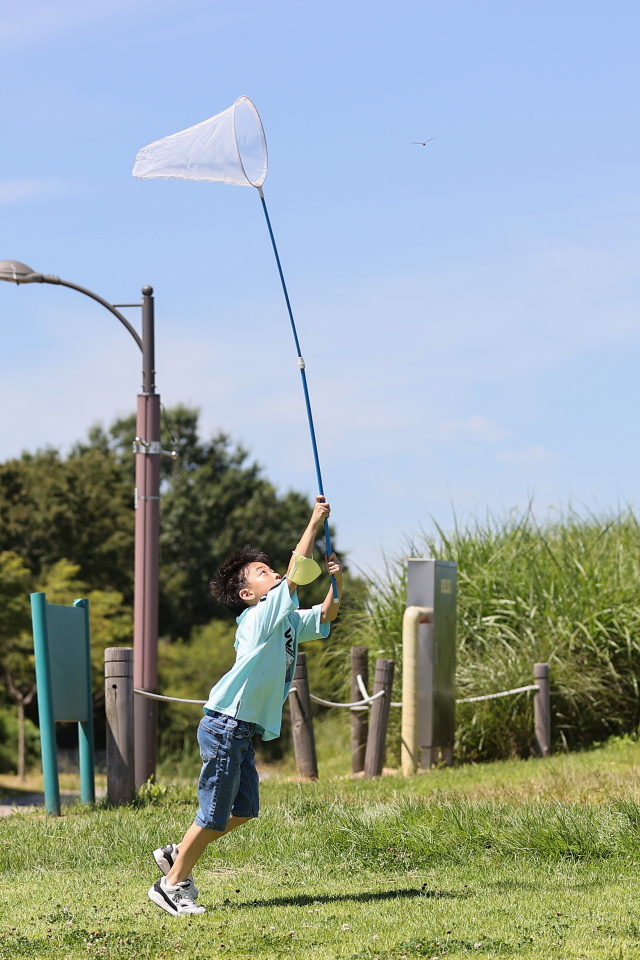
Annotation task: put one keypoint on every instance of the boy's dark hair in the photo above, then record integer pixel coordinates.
(230, 579)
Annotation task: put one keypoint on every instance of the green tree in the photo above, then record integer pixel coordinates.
(17, 663)
(79, 507)
(213, 500)
(15, 580)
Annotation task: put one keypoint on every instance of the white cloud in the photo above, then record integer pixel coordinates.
(14, 191)
(522, 458)
(32, 21)
(473, 428)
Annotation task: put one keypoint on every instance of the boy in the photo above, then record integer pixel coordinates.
(248, 699)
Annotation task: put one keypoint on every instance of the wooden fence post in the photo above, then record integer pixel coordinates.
(304, 743)
(359, 715)
(376, 742)
(542, 709)
(118, 702)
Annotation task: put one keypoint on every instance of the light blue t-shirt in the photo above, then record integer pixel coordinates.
(266, 649)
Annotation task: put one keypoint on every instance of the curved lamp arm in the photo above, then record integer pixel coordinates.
(47, 278)
(15, 272)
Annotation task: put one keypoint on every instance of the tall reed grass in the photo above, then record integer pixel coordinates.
(565, 591)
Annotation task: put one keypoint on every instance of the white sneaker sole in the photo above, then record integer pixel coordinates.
(165, 904)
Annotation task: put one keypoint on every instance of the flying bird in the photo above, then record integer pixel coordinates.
(422, 143)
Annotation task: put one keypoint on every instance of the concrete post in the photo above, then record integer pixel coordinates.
(413, 616)
(118, 701)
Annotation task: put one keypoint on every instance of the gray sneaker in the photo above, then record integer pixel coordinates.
(175, 900)
(165, 857)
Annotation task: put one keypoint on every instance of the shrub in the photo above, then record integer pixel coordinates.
(565, 591)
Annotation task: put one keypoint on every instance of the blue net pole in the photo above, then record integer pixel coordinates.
(305, 388)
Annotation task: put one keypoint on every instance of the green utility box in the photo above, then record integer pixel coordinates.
(62, 648)
(433, 583)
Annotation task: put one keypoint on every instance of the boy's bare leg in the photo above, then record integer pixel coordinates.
(195, 842)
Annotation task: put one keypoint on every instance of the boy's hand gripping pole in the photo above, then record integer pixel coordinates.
(305, 388)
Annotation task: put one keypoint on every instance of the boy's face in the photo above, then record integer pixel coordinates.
(259, 579)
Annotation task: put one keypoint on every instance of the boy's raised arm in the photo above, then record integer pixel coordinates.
(304, 548)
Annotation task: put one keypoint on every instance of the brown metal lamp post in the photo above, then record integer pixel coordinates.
(148, 450)
(147, 503)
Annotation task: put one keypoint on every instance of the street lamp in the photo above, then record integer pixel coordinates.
(147, 503)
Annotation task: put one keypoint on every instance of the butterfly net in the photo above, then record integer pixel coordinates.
(228, 148)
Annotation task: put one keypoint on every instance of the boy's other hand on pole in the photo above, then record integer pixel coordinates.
(330, 608)
(335, 568)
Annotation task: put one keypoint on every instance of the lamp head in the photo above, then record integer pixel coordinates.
(16, 272)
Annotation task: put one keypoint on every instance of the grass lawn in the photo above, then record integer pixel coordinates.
(532, 858)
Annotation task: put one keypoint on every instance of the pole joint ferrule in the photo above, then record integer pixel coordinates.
(301, 364)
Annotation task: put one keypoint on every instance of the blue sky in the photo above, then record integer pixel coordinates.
(468, 310)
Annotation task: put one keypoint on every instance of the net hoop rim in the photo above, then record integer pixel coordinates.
(263, 140)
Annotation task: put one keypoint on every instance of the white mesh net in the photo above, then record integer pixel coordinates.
(228, 148)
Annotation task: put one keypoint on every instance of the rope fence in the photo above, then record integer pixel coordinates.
(157, 696)
(369, 717)
(363, 704)
(356, 705)
(504, 693)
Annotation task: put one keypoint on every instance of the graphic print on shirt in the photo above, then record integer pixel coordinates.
(289, 645)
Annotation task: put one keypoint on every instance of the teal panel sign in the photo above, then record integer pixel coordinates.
(68, 652)
(62, 648)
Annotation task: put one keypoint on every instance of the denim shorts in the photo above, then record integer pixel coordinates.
(228, 784)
